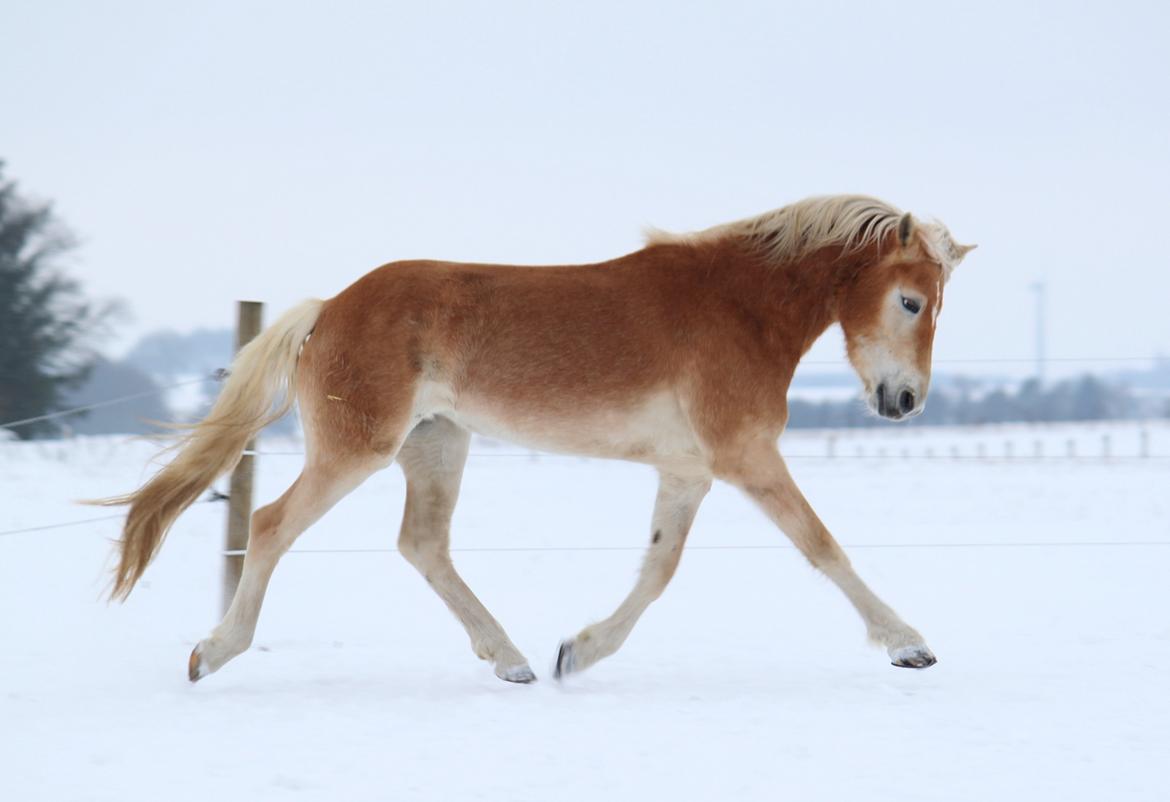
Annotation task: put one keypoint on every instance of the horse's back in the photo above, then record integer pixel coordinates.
(604, 328)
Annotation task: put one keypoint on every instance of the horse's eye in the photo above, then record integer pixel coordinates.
(911, 306)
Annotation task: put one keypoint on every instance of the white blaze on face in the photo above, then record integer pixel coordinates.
(937, 305)
(889, 353)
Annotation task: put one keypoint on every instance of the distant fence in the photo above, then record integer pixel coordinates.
(1123, 440)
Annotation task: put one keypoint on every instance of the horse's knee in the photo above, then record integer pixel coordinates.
(425, 523)
(422, 548)
(265, 522)
(266, 518)
(662, 571)
(409, 547)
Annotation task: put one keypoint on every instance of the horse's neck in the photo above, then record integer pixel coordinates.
(797, 300)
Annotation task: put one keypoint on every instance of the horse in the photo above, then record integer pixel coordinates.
(678, 355)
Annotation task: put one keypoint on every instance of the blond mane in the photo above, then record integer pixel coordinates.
(850, 221)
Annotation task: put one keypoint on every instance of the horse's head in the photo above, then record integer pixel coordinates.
(889, 312)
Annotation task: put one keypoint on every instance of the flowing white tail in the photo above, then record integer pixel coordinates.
(259, 390)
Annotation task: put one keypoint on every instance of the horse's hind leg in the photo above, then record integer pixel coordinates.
(678, 501)
(274, 528)
(432, 459)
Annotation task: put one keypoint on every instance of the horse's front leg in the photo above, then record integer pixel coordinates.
(761, 473)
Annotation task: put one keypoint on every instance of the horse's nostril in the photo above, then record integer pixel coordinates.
(906, 401)
(881, 399)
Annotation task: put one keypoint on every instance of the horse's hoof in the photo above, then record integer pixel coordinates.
(195, 667)
(565, 660)
(521, 674)
(912, 657)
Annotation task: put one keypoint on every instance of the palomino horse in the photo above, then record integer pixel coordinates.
(678, 355)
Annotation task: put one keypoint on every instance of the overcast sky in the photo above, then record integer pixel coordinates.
(208, 152)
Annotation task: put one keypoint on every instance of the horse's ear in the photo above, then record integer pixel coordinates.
(905, 229)
(963, 250)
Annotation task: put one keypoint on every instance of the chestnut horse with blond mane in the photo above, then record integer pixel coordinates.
(678, 355)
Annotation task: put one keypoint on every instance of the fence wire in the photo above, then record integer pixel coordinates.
(65, 413)
(118, 516)
(740, 547)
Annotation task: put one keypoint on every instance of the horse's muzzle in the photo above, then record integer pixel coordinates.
(895, 405)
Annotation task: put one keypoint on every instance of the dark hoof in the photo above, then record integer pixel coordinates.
(565, 660)
(913, 657)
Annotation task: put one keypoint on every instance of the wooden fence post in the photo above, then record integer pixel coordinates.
(248, 319)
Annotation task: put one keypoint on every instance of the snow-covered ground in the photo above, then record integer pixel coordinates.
(749, 679)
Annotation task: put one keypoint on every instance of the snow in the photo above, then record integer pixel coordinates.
(749, 679)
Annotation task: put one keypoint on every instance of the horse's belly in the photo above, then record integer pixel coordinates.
(653, 429)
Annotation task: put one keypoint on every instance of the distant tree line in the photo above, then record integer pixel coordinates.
(1083, 399)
